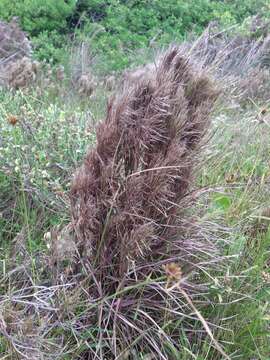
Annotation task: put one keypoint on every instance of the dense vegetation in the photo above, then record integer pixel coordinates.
(59, 298)
(116, 27)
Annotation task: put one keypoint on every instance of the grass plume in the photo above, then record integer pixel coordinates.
(129, 199)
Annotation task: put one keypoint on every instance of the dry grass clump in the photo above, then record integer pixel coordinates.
(29, 74)
(109, 82)
(27, 315)
(14, 44)
(21, 73)
(129, 203)
(60, 73)
(82, 78)
(255, 85)
(231, 53)
(237, 59)
(85, 84)
(16, 69)
(139, 73)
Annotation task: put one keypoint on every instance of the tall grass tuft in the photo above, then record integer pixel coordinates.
(131, 211)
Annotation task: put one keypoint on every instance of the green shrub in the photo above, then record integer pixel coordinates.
(44, 20)
(38, 15)
(127, 25)
(50, 46)
(134, 24)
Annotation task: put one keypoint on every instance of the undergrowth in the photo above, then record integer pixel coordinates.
(43, 138)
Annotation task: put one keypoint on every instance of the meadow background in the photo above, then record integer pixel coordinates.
(80, 52)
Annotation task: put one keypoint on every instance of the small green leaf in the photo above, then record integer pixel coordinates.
(222, 202)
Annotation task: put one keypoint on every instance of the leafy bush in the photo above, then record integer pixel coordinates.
(128, 25)
(140, 24)
(38, 15)
(49, 46)
(135, 25)
(43, 20)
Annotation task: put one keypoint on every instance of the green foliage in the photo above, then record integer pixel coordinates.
(38, 15)
(222, 202)
(133, 24)
(93, 9)
(38, 156)
(241, 9)
(49, 46)
(44, 20)
(127, 25)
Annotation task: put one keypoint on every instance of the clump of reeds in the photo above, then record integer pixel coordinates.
(129, 204)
